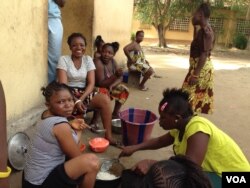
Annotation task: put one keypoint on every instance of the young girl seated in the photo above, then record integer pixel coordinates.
(55, 140)
(193, 136)
(109, 77)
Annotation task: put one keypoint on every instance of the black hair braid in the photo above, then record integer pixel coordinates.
(115, 46)
(54, 87)
(75, 35)
(194, 175)
(177, 172)
(177, 102)
(98, 41)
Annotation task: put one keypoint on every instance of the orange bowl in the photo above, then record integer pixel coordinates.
(82, 147)
(99, 144)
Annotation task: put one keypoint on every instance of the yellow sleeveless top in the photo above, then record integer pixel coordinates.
(223, 154)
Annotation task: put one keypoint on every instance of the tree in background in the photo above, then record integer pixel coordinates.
(161, 13)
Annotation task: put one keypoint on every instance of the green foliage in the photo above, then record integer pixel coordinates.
(161, 13)
(158, 12)
(240, 41)
(239, 6)
(132, 36)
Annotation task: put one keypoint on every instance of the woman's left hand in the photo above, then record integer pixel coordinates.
(119, 72)
(81, 107)
(78, 124)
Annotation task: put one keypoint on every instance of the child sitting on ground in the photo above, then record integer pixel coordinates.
(55, 140)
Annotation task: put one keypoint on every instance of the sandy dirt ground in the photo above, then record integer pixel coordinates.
(231, 95)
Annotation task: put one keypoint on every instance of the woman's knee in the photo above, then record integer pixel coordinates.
(150, 71)
(103, 100)
(92, 161)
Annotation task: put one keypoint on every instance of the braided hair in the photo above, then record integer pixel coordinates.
(52, 87)
(114, 45)
(177, 102)
(177, 172)
(98, 41)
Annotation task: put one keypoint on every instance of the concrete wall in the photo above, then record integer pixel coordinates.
(24, 41)
(113, 21)
(77, 16)
(151, 32)
(23, 54)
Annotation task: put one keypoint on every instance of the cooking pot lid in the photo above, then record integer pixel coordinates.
(17, 148)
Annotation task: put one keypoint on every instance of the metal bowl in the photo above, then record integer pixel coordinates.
(117, 126)
(115, 168)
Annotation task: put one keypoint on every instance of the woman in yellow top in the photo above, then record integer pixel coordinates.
(193, 136)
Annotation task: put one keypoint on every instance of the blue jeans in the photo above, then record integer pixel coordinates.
(55, 35)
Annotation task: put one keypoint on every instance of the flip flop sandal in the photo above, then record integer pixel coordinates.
(144, 89)
(94, 125)
(157, 76)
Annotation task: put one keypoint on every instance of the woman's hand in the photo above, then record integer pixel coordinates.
(81, 107)
(111, 87)
(142, 167)
(78, 124)
(127, 151)
(193, 80)
(119, 72)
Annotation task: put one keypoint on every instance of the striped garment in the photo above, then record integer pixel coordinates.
(44, 152)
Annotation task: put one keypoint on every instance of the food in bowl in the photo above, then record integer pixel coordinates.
(117, 126)
(105, 176)
(111, 177)
(98, 144)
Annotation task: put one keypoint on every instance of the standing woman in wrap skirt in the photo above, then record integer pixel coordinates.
(199, 79)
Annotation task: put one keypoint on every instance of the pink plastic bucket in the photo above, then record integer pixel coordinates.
(137, 125)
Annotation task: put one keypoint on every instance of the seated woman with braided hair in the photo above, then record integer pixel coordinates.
(193, 136)
(108, 77)
(177, 172)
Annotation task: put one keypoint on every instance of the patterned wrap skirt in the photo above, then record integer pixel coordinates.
(120, 93)
(77, 92)
(201, 94)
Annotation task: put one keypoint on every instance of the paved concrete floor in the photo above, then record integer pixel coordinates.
(173, 69)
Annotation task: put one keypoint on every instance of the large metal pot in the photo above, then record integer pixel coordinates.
(114, 168)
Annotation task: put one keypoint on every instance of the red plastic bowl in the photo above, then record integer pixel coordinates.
(82, 147)
(99, 144)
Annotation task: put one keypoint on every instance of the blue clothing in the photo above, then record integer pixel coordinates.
(53, 10)
(55, 36)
